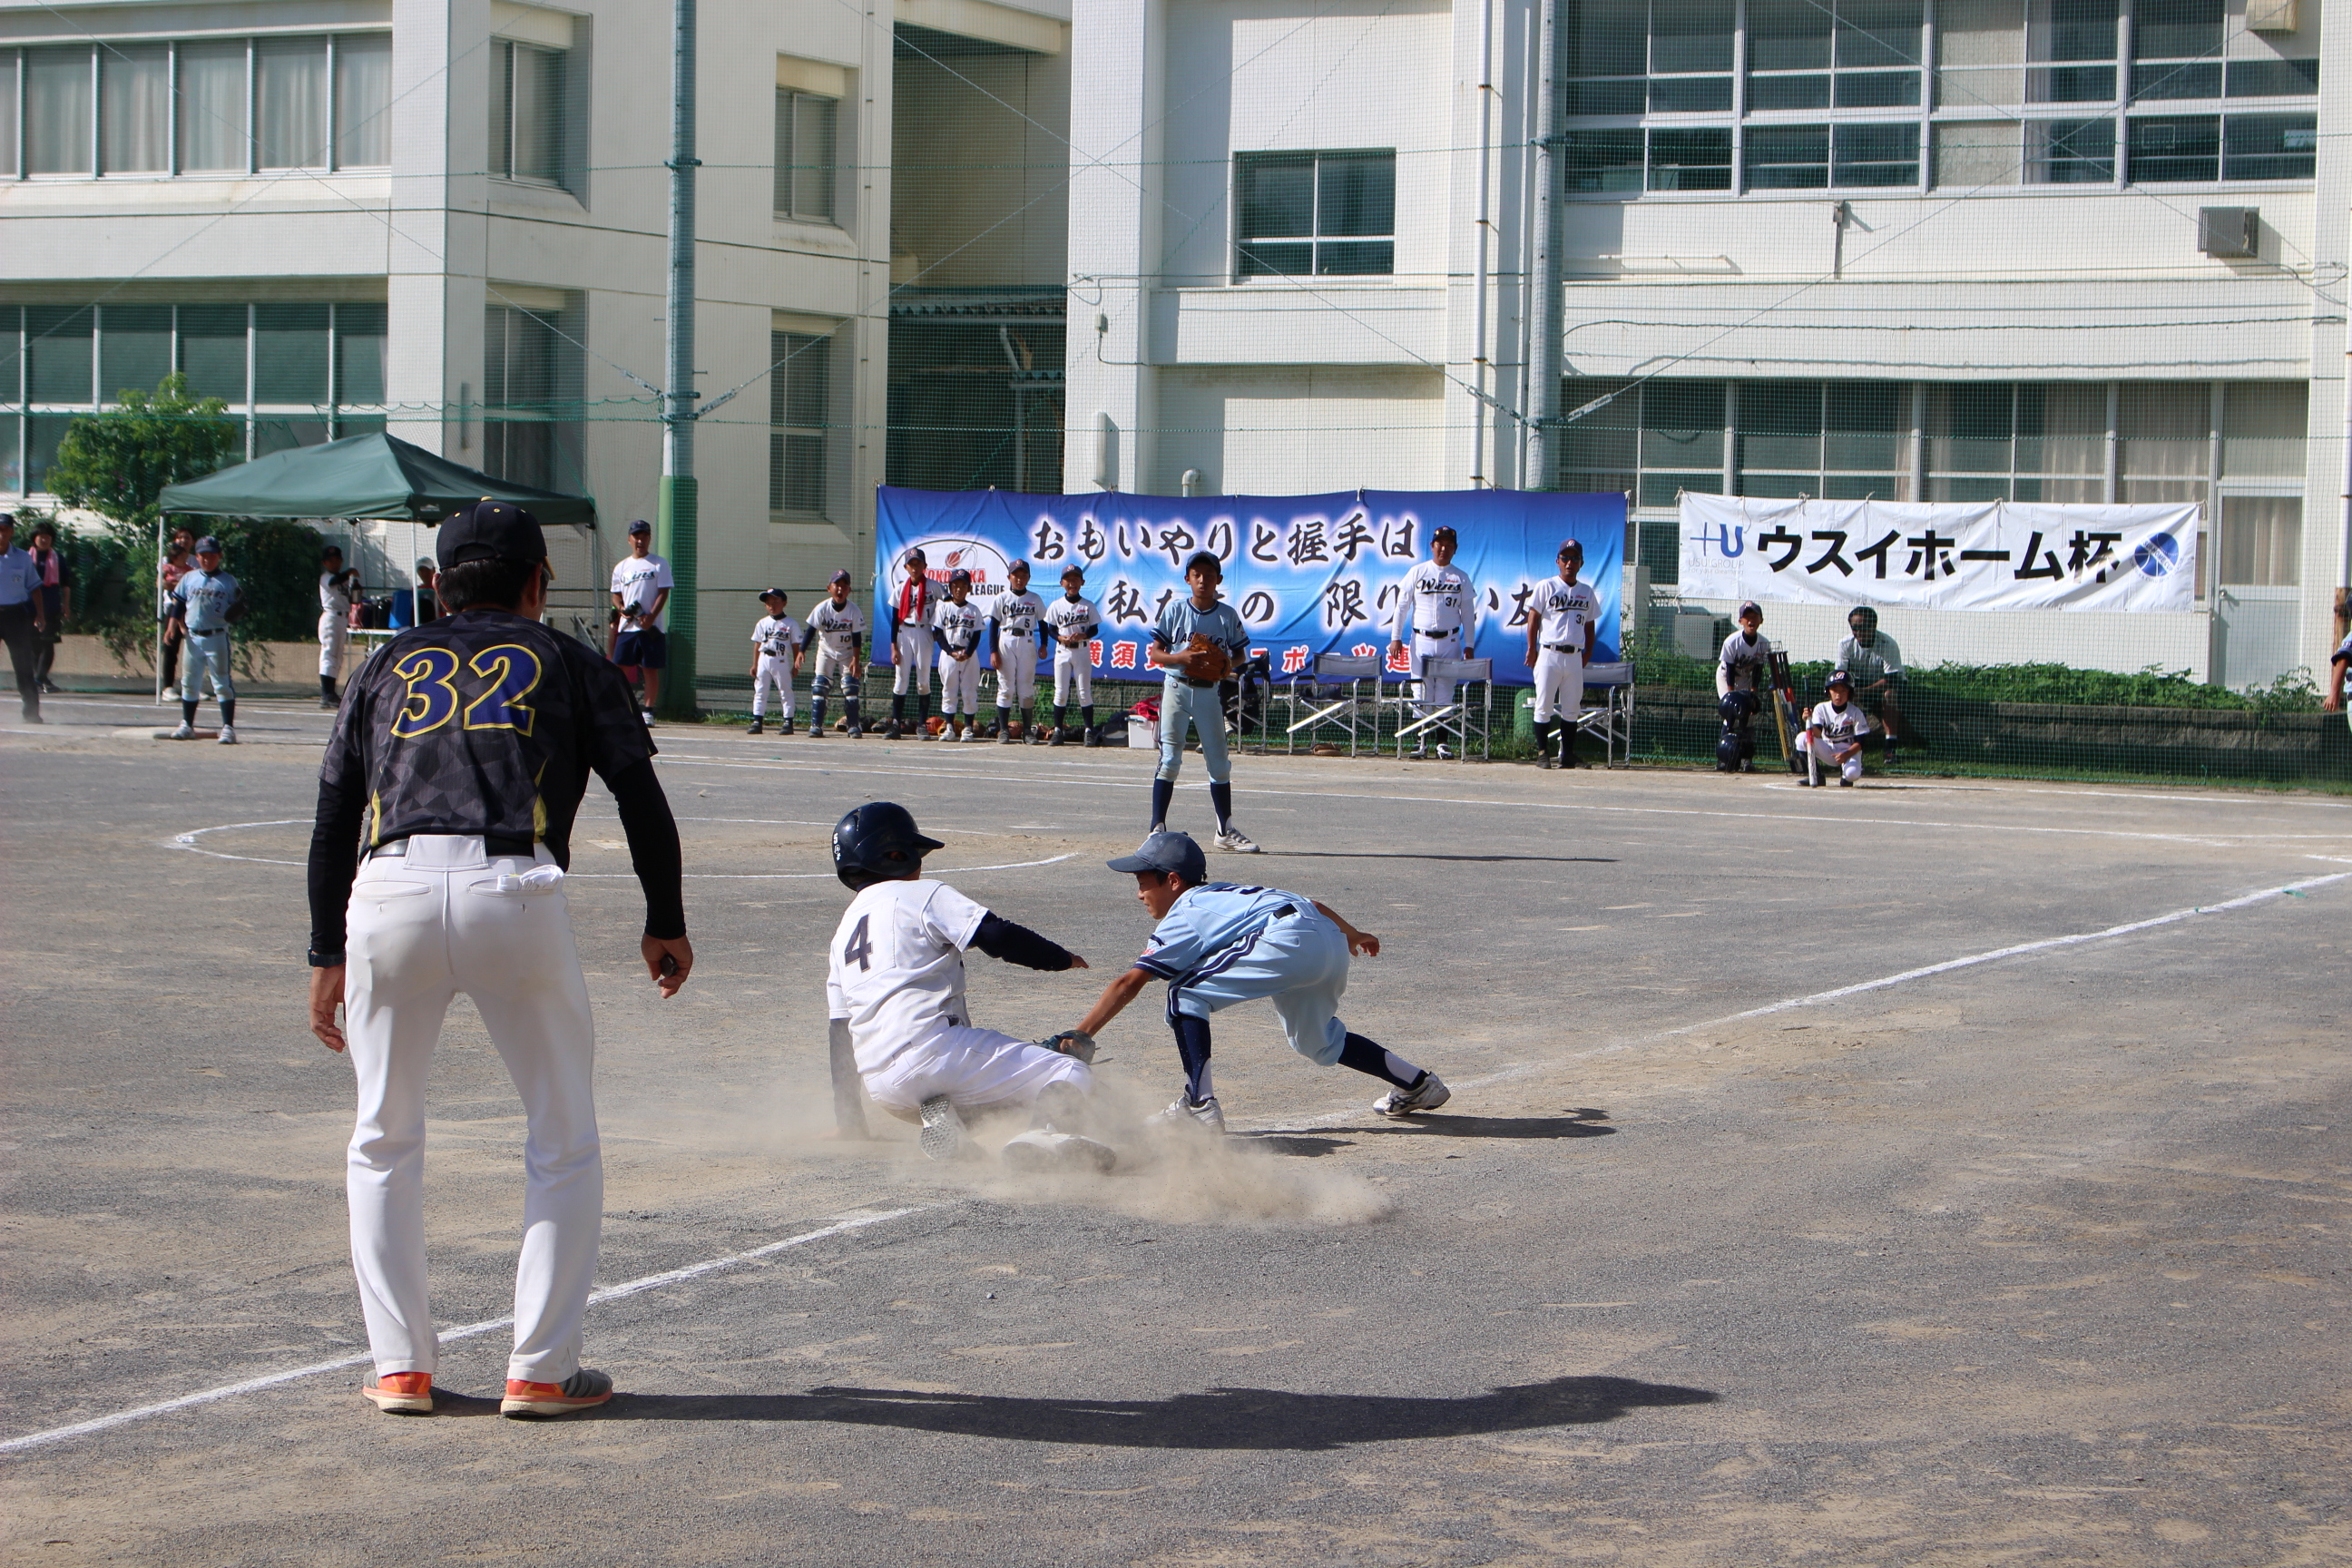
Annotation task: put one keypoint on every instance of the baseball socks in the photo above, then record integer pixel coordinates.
(1192, 1047)
(922, 717)
(1366, 1056)
(897, 714)
(1163, 793)
(1221, 796)
(327, 691)
(188, 711)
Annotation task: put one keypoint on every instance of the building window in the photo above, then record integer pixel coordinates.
(530, 394)
(209, 106)
(1844, 54)
(2004, 441)
(806, 125)
(799, 397)
(291, 374)
(1315, 214)
(527, 113)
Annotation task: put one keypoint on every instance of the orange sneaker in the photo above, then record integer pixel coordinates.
(401, 1392)
(528, 1401)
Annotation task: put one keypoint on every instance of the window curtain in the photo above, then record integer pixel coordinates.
(362, 101)
(7, 115)
(290, 84)
(134, 98)
(58, 110)
(2163, 429)
(211, 107)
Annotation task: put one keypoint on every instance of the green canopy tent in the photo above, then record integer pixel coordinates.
(371, 478)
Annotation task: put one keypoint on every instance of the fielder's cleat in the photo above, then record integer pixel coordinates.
(855, 730)
(759, 725)
(647, 715)
(1234, 841)
(943, 1135)
(1054, 739)
(1544, 762)
(186, 732)
(328, 705)
(539, 1401)
(229, 735)
(973, 734)
(1043, 1152)
(1094, 737)
(1004, 735)
(893, 730)
(401, 1393)
(1427, 1093)
(1444, 753)
(1207, 1115)
(1846, 784)
(785, 728)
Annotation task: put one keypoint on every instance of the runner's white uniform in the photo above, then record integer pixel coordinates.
(1435, 610)
(334, 624)
(1562, 612)
(836, 658)
(777, 637)
(895, 971)
(1073, 667)
(1829, 728)
(1017, 616)
(1743, 666)
(959, 627)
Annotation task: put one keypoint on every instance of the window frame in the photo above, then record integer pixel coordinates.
(786, 347)
(788, 164)
(1315, 240)
(505, 58)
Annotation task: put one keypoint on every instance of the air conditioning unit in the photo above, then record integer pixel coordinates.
(2271, 15)
(2229, 231)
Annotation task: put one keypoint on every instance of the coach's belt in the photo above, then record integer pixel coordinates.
(1561, 647)
(1456, 632)
(493, 844)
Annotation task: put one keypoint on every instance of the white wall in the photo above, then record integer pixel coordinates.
(1282, 430)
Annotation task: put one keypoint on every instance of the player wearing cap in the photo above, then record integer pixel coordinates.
(337, 585)
(445, 806)
(24, 618)
(910, 648)
(839, 627)
(205, 601)
(1217, 944)
(1435, 616)
(2338, 663)
(1563, 617)
(894, 984)
(956, 626)
(776, 641)
(1743, 673)
(1185, 699)
(641, 586)
(1833, 732)
(1013, 649)
(1072, 622)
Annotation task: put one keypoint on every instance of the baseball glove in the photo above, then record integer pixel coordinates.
(1205, 660)
(1071, 1043)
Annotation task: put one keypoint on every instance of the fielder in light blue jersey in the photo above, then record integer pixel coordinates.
(1219, 943)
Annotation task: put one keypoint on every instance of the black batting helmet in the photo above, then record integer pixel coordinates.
(876, 843)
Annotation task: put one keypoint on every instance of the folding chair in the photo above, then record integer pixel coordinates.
(1457, 718)
(1613, 718)
(1334, 674)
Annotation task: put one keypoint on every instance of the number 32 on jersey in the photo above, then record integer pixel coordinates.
(511, 672)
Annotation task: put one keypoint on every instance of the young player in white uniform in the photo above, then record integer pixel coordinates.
(1563, 616)
(1834, 729)
(336, 586)
(1013, 648)
(1217, 944)
(839, 627)
(1743, 674)
(957, 624)
(1435, 612)
(1072, 621)
(776, 641)
(894, 986)
(911, 640)
(207, 599)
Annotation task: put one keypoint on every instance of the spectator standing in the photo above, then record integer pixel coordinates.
(910, 648)
(2337, 665)
(1870, 657)
(56, 597)
(1184, 700)
(179, 560)
(22, 619)
(337, 586)
(426, 605)
(641, 586)
(206, 600)
(1434, 613)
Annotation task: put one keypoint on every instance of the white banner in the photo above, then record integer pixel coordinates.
(1989, 555)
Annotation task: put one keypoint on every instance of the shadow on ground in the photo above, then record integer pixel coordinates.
(1575, 1125)
(1222, 1418)
(1399, 854)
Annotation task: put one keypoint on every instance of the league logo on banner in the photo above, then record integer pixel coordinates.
(1309, 574)
(1990, 555)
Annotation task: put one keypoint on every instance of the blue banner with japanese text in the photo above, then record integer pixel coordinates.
(1309, 574)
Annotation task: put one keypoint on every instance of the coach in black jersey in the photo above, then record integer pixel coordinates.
(446, 807)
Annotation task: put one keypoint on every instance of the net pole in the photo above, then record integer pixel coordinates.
(678, 514)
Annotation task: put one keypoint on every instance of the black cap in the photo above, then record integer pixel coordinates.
(641, 526)
(959, 575)
(1752, 608)
(1167, 852)
(1441, 533)
(773, 594)
(1571, 547)
(1837, 678)
(841, 577)
(1074, 570)
(490, 530)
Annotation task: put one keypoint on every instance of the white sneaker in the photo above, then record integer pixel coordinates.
(943, 1135)
(1427, 1093)
(971, 733)
(1444, 753)
(186, 732)
(1208, 1115)
(1040, 1152)
(229, 735)
(647, 715)
(1234, 840)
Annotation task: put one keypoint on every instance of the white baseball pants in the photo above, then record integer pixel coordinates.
(1073, 677)
(978, 1069)
(1016, 678)
(910, 656)
(1434, 694)
(959, 684)
(201, 652)
(423, 927)
(1559, 684)
(1828, 753)
(775, 669)
(334, 636)
(832, 674)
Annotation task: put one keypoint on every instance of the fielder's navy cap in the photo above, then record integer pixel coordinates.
(1752, 608)
(1074, 570)
(1442, 532)
(208, 542)
(841, 577)
(1167, 852)
(641, 526)
(490, 530)
(1571, 547)
(773, 594)
(959, 575)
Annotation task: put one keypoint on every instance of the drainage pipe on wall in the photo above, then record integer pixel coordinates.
(1480, 357)
(1544, 306)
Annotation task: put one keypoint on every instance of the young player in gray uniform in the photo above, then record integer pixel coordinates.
(1184, 700)
(337, 585)
(1743, 674)
(839, 627)
(205, 601)
(1834, 733)
(445, 806)
(1435, 619)
(1072, 622)
(1870, 657)
(776, 641)
(1013, 649)
(1217, 944)
(1563, 616)
(956, 626)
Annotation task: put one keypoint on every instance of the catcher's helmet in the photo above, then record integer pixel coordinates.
(1736, 706)
(878, 842)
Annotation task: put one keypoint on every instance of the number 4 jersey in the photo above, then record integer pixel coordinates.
(897, 966)
(482, 722)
